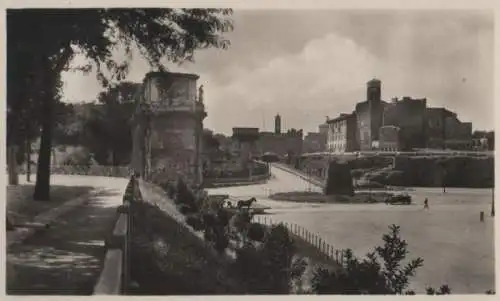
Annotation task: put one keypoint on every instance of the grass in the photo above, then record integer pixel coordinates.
(316, 197)
(22, 208)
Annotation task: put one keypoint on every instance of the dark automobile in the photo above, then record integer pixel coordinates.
(400, 199)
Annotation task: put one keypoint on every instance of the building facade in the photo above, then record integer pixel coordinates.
(342, 134)
(288, 143)
(314, 142)
(168, 127)
(458, 134)
(409, 115)
(389, 138)
(446, 131)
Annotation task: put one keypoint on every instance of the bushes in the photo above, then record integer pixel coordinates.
(369, 276)
(270, 268)
(256, 232)
(195, 221)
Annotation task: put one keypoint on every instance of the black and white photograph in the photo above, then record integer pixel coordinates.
(187, 151)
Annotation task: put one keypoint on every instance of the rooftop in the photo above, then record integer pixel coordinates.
(174, 74)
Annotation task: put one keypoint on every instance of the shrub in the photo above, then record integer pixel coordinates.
(221, 241)
(170, 189)
(223, 216)
(256, 232)
(195, 221)
(368, 276)
(271, 268)
(78, 156)
(187, 209)
(443, 290)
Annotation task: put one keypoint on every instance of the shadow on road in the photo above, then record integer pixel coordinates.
(67, 258)
(22, 208)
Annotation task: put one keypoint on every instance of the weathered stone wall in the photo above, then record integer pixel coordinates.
(174, 124)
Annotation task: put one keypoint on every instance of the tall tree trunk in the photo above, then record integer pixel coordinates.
(49, 72)
(12, 165)
(42, 186)
(28, 160)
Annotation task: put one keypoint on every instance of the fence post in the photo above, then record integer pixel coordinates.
(319, 243)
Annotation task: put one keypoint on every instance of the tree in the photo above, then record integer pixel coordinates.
(368, 276)
(42, 43)
(272, 267)
(108, 126)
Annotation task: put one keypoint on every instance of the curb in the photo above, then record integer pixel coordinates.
(45, 219)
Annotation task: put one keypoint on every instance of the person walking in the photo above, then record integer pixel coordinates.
(426, 204)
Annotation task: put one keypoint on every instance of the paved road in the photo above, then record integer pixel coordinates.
(456, 247)
(67, 258)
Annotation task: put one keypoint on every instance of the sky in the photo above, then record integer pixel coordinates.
(309, 64)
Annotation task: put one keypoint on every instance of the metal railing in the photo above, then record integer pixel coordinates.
(309, 237)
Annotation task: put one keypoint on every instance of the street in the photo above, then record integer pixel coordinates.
(457, 248)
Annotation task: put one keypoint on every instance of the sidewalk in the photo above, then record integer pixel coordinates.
(67, 258)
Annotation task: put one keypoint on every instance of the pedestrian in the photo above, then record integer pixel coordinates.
(426, 204)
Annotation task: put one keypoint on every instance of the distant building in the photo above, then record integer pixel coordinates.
(458, 134)
(342, 134)
(314, 142)
(409, 115)
(277, 124)
(279, 142)
(369, 115)
(289, 143)
(480, 144)
(324, 128)
(389, 138)
(445, 131)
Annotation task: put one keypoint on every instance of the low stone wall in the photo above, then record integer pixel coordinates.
(227, 182)
(417, 171)
(96, 170)
(114, 278)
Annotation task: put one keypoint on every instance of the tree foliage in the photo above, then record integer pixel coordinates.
(369, 276)
(272, 267)
(43, 42)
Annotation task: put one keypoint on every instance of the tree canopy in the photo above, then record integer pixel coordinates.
(41, 43)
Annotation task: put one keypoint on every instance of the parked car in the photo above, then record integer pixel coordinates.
(400, 199)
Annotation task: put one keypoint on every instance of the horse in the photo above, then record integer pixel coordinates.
(246, 203)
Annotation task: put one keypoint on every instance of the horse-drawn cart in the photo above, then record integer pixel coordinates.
(235, 205)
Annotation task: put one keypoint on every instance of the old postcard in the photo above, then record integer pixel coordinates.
(249, 150)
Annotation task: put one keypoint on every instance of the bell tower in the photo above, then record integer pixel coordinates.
(277, 124)
(374, 90)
